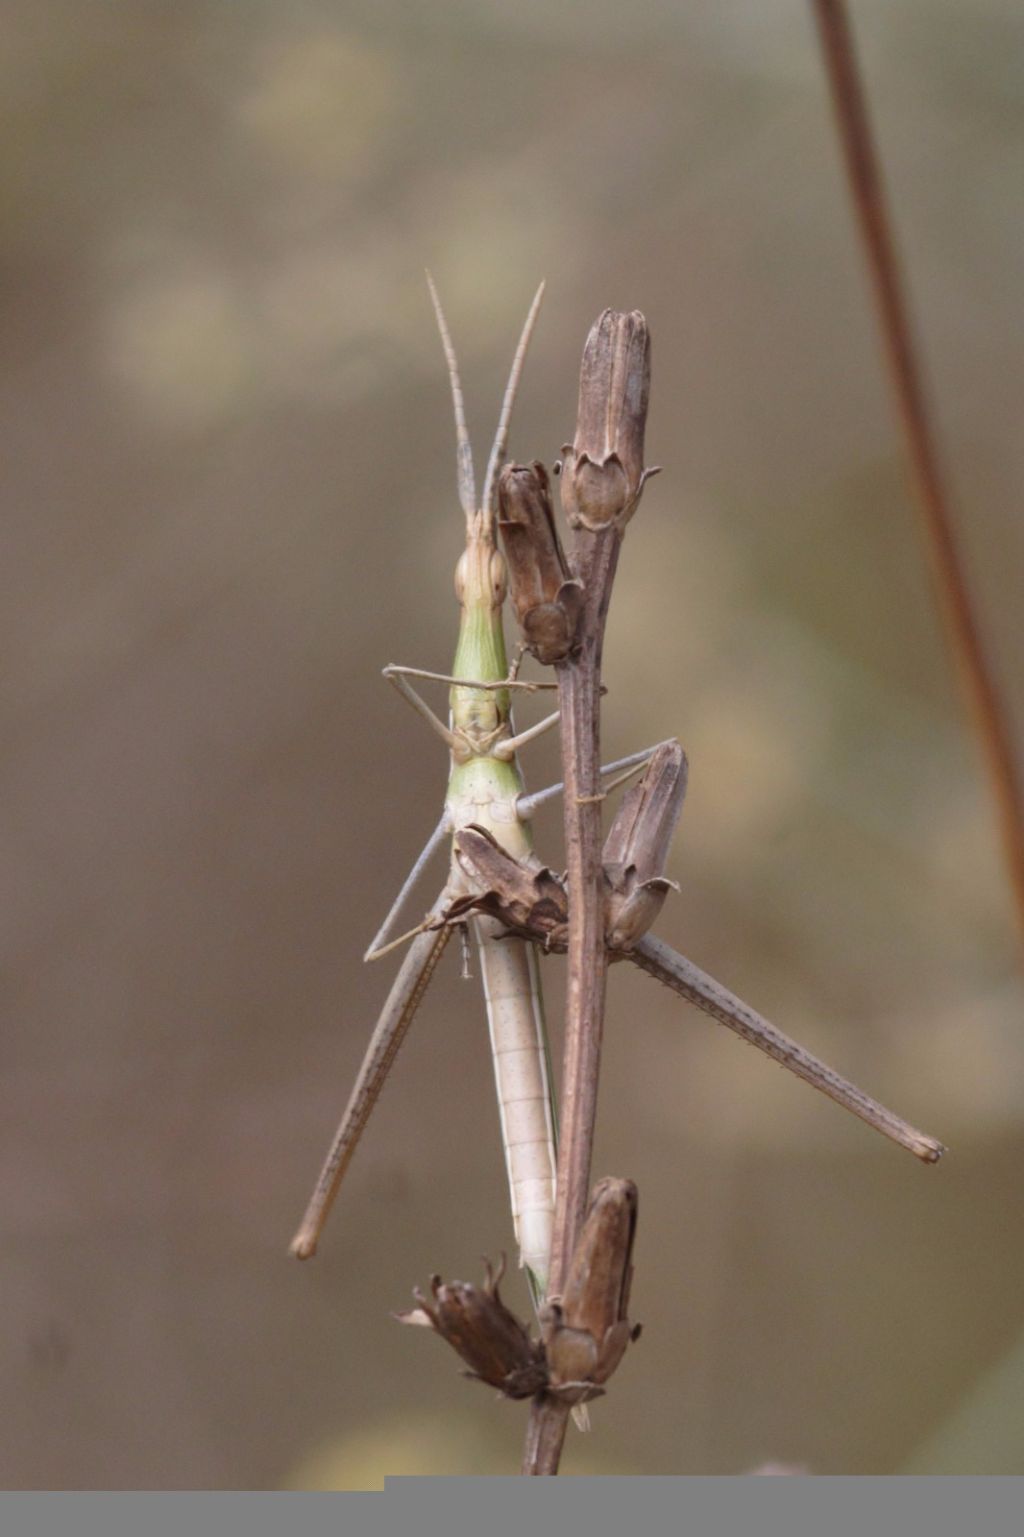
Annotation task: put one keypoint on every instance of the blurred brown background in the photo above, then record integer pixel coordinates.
(230, 499)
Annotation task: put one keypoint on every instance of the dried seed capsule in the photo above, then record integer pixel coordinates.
(546, 599)
(488, 1337)
(586, 1331)
(637, 847)
(524, 895)
(603, 469)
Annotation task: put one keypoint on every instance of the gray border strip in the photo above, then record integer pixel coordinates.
(510, 1507)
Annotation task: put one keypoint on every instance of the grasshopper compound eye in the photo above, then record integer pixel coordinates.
(460, 577)
(498, 574)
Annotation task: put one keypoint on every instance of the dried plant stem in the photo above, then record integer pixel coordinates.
(602, 478)
(579, 692)
(865, 178)
(545, 1437)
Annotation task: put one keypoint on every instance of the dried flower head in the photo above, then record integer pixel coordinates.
(586, 1330)
(637, 846)
(481, 1329)
(603, 469)
(546, 599)
(524, 895)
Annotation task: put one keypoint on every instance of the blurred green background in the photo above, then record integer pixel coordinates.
(230, 499)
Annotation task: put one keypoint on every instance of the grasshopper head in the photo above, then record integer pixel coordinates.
(481, 576)
(481, 716)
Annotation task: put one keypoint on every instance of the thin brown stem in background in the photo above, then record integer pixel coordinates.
(865, 178)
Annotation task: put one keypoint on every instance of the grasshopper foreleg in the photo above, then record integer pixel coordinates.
(396, 676)
(529, 685)
(505, 751)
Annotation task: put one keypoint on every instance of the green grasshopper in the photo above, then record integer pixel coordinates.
(486, 799)
(485, 789)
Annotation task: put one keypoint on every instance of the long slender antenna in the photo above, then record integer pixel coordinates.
(501, 436)
(464, 453)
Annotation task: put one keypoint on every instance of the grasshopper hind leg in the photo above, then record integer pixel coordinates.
(396, 1016)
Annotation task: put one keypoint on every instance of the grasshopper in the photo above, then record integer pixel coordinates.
(486, 808)
(485, 789)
